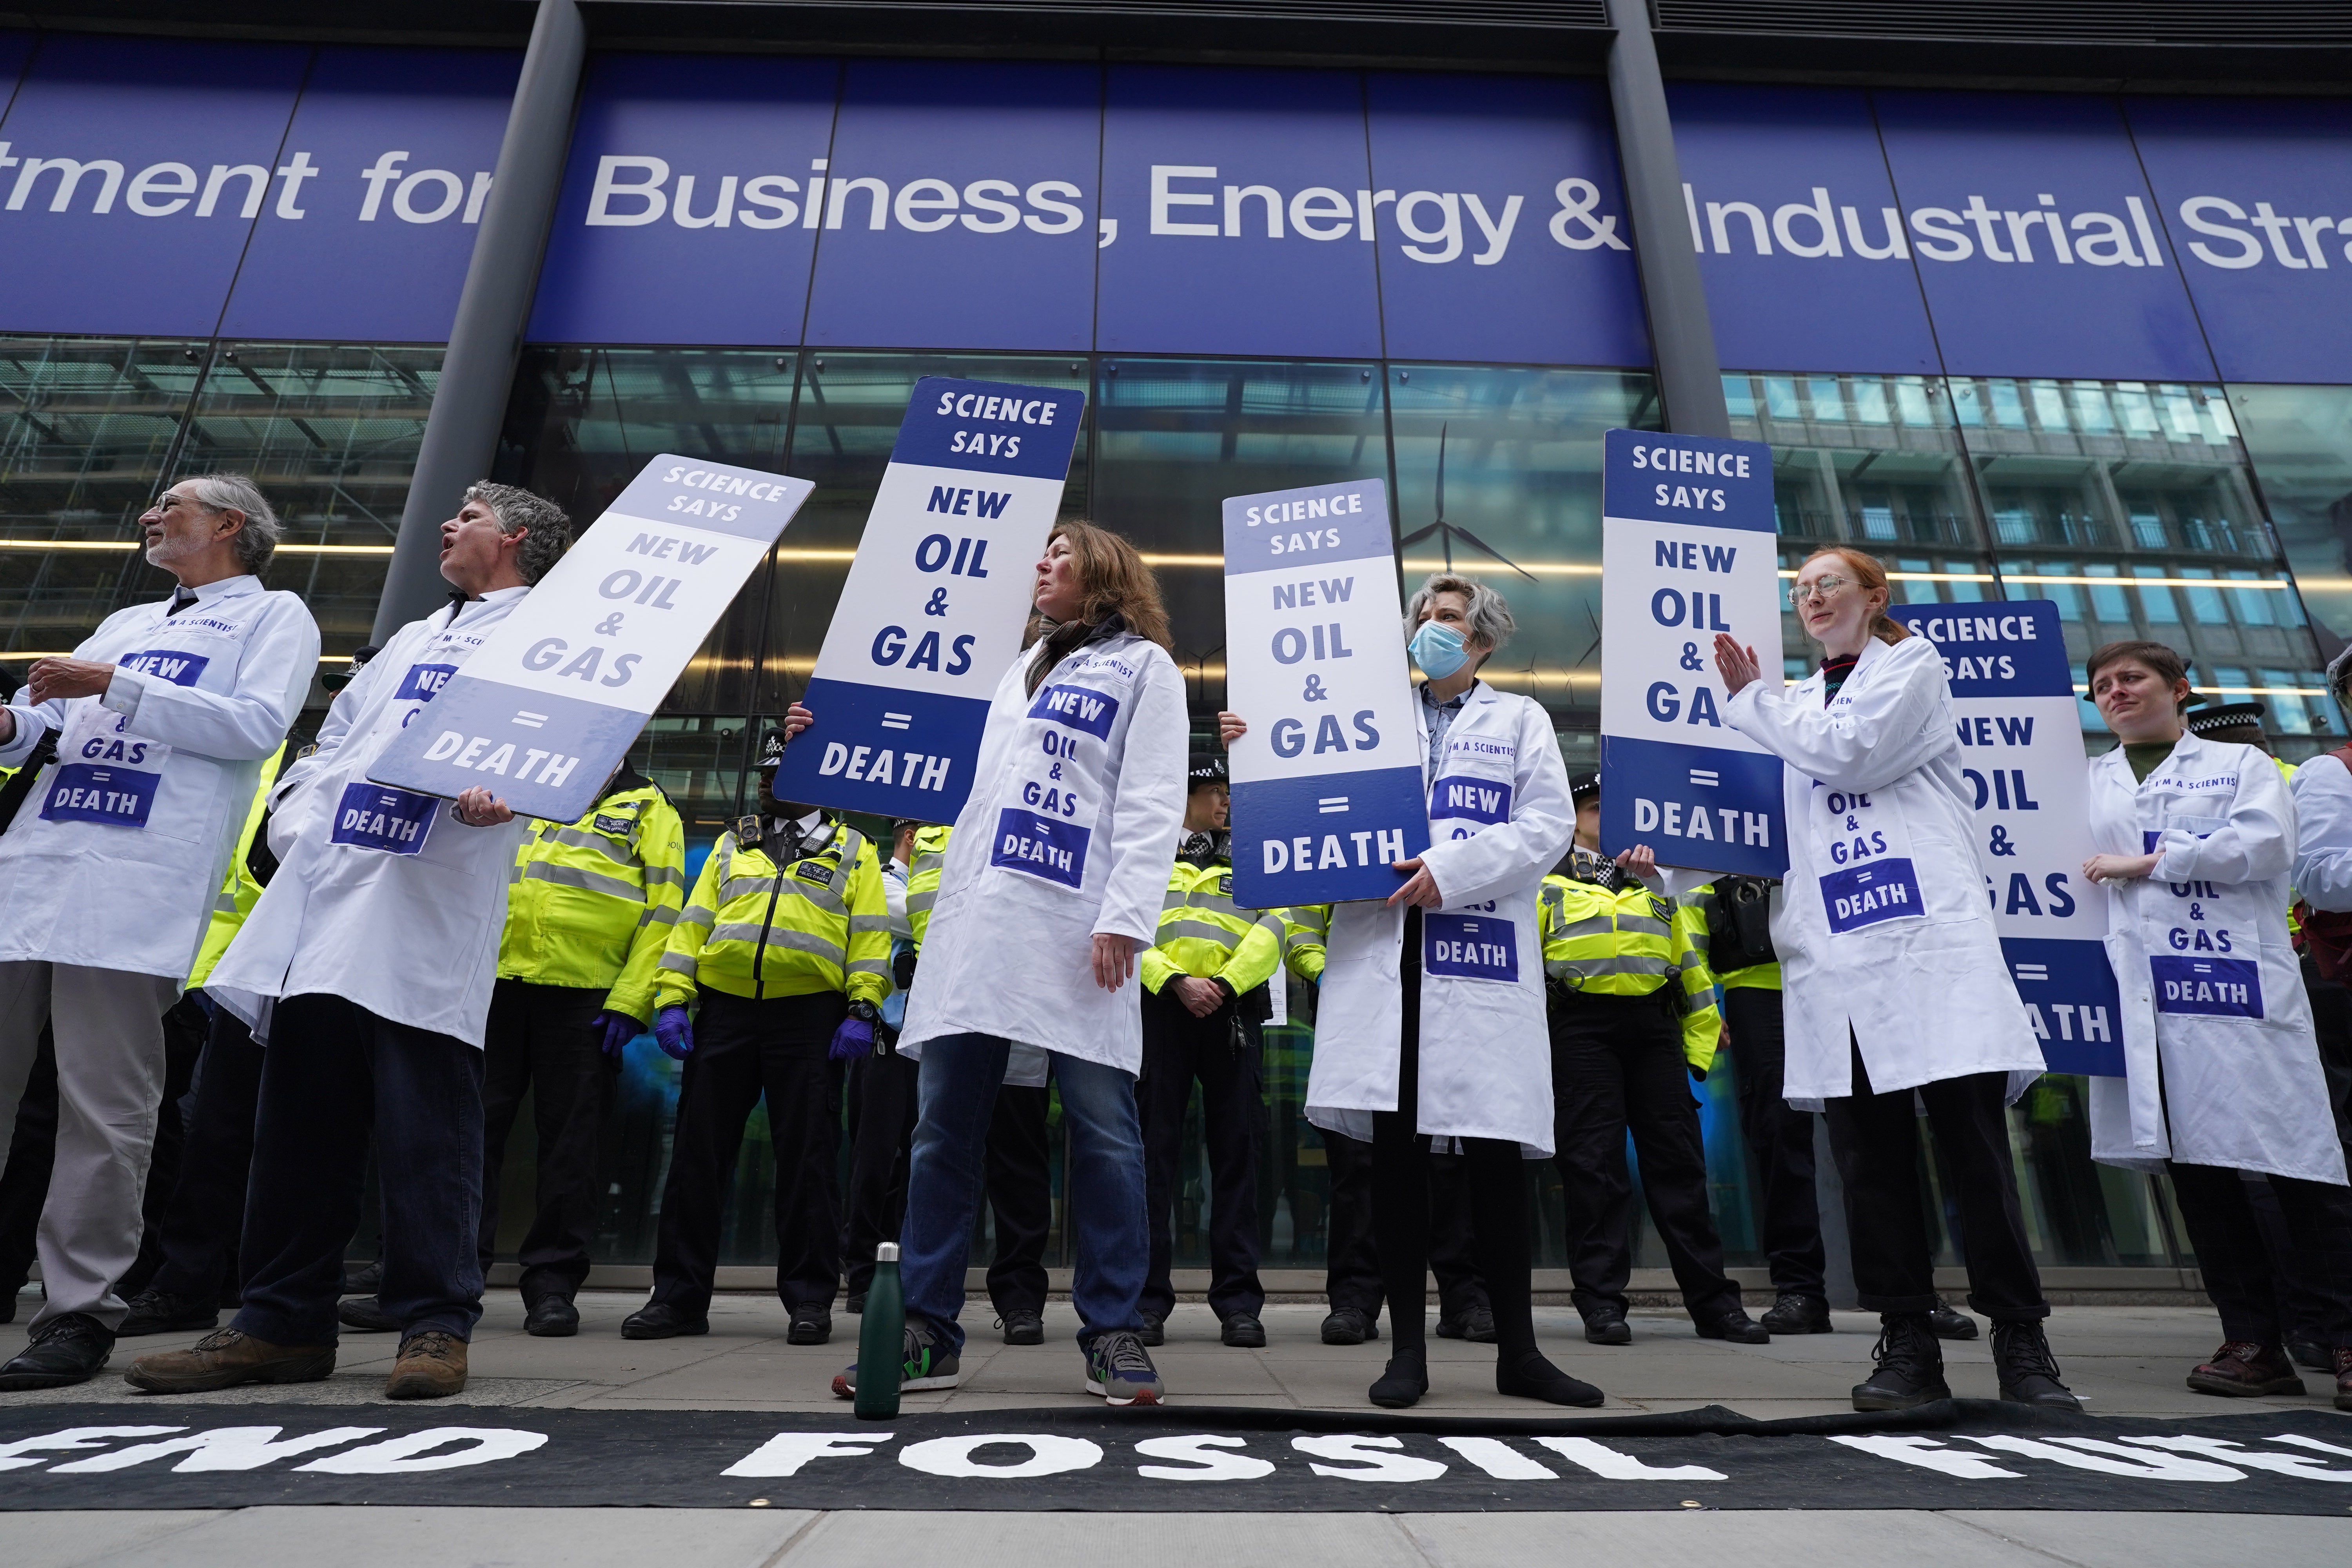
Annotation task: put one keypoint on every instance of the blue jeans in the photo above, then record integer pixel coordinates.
(957, 1091)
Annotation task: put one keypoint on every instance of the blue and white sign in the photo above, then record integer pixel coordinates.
(1328, 783)
(932, 612)
(557, 695)
(2022, 745)
(1686, 551)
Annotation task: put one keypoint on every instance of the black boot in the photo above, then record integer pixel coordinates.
(1799, 1314)
(1531, 1376)
(1404, 1382)
(2029, 1373)
(1910, 1365)
(67, 1350)
(1949, 1322)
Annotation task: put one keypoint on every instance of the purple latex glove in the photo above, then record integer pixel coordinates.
(619, 1030)
(673, 1032)
(854, 1038)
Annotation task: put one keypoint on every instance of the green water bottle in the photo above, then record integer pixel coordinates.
(881, 1339)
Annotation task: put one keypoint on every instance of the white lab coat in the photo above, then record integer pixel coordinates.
(2322, 788)
(111, 895)
(1899, 954)
(1485, 1052)
(410, 936)
(1010, 948)
(2221, 1066)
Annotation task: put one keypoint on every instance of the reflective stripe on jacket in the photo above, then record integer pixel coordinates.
(1203, 934)
(591, 903)
(819, 922)
(1629, 943)
(243, 889)
(930, 849)
(1305, 933)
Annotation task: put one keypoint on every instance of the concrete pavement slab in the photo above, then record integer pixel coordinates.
(467, 1538)
(1086, 1540)
(2168, 1539)
(68, 1538)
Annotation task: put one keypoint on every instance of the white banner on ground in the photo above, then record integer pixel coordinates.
(1328, 783)
(2022, 742)
(1687, 551)
(933, 609)
(553, 700)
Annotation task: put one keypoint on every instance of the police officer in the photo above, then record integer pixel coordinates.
(786, 941)
(1017, 1154)
(1352, 1285)
(162, 718)
(589, 913)
(1205, 982)
(1630, 1004)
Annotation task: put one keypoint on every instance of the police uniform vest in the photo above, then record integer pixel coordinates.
(591, 903)
(1203, 934)
(774, 915)
(1629, 941)
(242, 890)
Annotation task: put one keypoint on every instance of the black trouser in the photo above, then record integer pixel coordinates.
(1779, 1141)
(1019, 1174)
(1617, 1066)
(205, 1209)
(1875, 1137)
(882, 1108)
(25, 1182)
(1494, 1175)
(743, 1050)
(1179, 1048)
(333, 1072)
(2307, 1303)
(544, 1040)
(2236, 1265)
(1352, 1263)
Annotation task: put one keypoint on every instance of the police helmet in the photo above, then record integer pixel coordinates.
(1583, 787)
(2209, 722)
(1205, 771)
(342, 677)
(772, 747)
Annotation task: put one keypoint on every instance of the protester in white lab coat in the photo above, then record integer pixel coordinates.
(366, 969)
(1409, 1046)
(1051, 887)
(159, 723)
(2196, 841)
(1896, 992)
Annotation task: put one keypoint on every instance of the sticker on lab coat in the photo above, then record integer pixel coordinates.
(2214, 988)
(424, 682)
(396, 821)
(83, 792)
(1470, 797)
(1470, 947)
(1079, 707)
(1864, 895)
(1041, 846)
(167, 664)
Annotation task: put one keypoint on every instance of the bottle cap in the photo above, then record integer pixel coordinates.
(886, 1252)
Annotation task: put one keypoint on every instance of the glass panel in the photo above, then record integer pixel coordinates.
(1520, 510)
(2149, 483)
(330, 432)
(2300, 438)
(1175, 438)
(582, 422)
(86, 426)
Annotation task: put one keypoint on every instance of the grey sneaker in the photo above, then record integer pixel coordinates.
(1119, 1369)
(924, 1364)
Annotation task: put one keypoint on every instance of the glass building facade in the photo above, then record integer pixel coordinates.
(2184, 474)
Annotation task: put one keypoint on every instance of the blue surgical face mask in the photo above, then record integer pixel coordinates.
(1437, 648)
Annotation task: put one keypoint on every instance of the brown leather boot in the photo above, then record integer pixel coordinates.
(224, 1359)
(2343, 1378)
(2242, 1368)
(432, 1365)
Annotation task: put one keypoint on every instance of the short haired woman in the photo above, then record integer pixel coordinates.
(1033, 941)
(2196, 839)
(1410, 1046)
(1896, 992)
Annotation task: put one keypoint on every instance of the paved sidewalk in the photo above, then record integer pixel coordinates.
(2121, 1359)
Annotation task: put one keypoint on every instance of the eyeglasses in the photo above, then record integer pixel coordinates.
(1803, 594)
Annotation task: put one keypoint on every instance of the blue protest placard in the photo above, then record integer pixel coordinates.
(1687, 551)
(557, 695)
(2013, 694)
(1326, 785)
(932, 614)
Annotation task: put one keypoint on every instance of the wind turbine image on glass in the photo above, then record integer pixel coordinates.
(1447, 532)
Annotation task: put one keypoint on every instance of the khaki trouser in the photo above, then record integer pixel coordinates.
(109, 1028)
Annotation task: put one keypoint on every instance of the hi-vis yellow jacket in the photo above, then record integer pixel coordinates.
(930, 852)
(1202, 934)
(243, 890)
(1629, 943)
(819, 922)
(1305, 933)
(592, 903)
